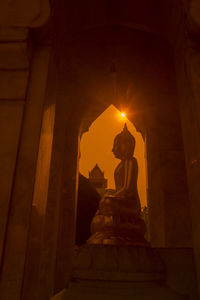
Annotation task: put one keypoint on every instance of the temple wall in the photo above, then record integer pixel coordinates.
(180, 271)
(22, 97)
(39, 162)
(187, 61)
(189, 110)
(23, 14)
(169, 209)
(14, 73)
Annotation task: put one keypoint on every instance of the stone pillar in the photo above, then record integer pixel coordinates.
(59, 232)
(188, 77)
(38, 212)
(57, 241)
(32, 95)
(22, 83)
(170, 220)
(155, 196)
(14, 72)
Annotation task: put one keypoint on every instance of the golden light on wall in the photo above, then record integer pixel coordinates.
(96, 147)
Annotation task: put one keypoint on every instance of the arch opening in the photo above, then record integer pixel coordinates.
(96, 148)
(96, 157)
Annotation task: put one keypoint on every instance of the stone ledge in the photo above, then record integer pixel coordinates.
(119, 291)
(94, 278)
(118, 276)
(107, 259)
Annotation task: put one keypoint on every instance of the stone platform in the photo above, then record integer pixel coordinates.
(117, 272)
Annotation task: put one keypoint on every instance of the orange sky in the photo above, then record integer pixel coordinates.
(96, 147)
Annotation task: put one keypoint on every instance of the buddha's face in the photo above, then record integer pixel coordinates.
(119, 149)
(124, 144)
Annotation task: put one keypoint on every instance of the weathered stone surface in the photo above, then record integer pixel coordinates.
(9, 34)
(14, 56)
(105, 262)
(180, 278)
(84, 260)
(188, 83)
(33, 268)
(180, 270)
(119, 291)
(24, 13)
(22, 195)
(155, 18)
(10, 125)
(155, 196)
(140, 280)
(195, 11)
(167, 181)
(13, 84)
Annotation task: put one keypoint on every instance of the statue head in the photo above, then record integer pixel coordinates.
(124, 144)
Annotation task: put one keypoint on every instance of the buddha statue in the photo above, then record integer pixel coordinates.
(118, 218)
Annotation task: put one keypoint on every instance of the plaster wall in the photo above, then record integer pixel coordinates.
(189, 108)
(79, 76)
(24, 101)
(10, 124)
(168, 194)
(180, 271)
(92, 278)
(23, 14)
(12, 74)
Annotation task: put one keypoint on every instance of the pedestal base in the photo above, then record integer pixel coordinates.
(102, 291)
(106, 272)
(113, 238)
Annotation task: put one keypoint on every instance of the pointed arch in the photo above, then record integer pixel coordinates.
(96, 147)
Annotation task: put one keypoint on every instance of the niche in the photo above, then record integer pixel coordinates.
(97, 162)
(96, 148)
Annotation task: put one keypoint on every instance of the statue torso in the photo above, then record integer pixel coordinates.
(126, 176)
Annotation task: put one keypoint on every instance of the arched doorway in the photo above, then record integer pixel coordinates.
(96, 157)
(96, 148)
